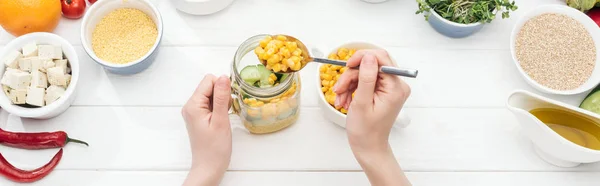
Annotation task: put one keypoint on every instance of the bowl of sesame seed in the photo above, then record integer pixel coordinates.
(122, 36)
(554, 47)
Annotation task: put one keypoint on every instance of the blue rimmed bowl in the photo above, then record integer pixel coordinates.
(452, 29)
(102, 8)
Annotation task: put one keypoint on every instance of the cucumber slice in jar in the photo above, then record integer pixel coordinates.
(264, 75)
(592, 102)
(250, 74)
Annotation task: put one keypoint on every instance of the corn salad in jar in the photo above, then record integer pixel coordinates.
(265, 101)
(331, 73)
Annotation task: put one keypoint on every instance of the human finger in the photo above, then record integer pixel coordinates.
(221, 99)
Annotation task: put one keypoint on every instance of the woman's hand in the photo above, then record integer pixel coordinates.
(207, 121)
(377, 102)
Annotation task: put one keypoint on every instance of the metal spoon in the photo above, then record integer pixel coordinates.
(307, 58)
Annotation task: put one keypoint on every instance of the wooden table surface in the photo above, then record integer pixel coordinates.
(461, 132)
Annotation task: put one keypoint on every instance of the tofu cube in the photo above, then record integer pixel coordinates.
(56, 76)
(61, 63)
(50, 52)
(35, 96)
(47, 64)
(25, 64)
(38, 64)
(6, 89)
(11, 60)
(39, 79)
(30, 50)
(18, 97)
(16, 79)
(53, 93)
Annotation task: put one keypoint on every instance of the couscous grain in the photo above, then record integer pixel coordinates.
(556, 51)
(124, 35)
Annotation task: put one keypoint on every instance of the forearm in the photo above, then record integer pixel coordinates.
(203, 177)
(381, 167)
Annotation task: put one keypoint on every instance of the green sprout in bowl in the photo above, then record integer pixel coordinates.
(467, 11)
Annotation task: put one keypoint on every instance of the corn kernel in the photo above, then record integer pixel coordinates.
(292, 46)
(337, 77)
(342, 70)
(323, 68)
(297, 52)
(295, 59)
(331, 99)
(285, 52)
(331, 83)
(297, 66)
(325, 83)
(351, 52)
(344, 111)
(290, 62)
(326, 77)
(342, 53)
(279, 44)
(276, 67)
(346, 58)
(281, 38)
(284, 68)
(274, 59)
(324, 89)
(332, 56)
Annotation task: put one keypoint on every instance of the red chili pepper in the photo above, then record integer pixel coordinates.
(22, 176)
(33, 141)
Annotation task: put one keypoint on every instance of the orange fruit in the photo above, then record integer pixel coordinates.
(19, 17)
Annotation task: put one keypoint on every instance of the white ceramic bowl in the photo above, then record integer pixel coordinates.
(102, 8)
(336, 116)
(201, 7)
(592, 28)
(60, 105)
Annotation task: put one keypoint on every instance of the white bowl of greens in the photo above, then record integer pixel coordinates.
(461, 18)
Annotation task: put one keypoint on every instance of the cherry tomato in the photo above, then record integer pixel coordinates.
(73, 9)
(92, 1)
(594, 13)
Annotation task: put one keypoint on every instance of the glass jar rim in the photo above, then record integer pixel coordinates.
(246, 47)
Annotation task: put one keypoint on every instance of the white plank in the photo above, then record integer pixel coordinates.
(133, 138)
(449, 78)
(102, 178)
(317, 22)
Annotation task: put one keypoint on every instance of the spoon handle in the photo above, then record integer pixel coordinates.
(385, 69)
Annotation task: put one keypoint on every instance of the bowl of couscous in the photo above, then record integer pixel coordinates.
(328, 75)
(122, 36)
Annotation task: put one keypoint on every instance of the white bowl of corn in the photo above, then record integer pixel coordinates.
(122, 36)
(328, 76)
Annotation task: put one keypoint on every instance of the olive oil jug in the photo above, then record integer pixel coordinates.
(562, 134)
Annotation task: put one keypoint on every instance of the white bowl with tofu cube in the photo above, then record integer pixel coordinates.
(39, 74)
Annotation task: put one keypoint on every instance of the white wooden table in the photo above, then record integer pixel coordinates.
(461, 133)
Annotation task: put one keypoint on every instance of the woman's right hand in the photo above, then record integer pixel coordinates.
(377, 102)
(372, 111)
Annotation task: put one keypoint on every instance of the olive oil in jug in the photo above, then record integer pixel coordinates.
(573, 127)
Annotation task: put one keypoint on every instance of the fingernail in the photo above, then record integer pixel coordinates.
(369, 59)
(223, 82)
(335, 87)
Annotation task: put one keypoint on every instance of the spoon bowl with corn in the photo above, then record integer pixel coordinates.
(286, 54)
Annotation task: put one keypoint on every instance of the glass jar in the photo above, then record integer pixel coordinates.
(263, 110)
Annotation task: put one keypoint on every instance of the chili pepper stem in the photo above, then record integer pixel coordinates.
(77, 141)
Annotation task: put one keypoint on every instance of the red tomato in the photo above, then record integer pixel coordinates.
(92, 1)
(595, 15)
(73, 9)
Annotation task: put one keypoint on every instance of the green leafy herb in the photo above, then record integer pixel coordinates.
(467, 11)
